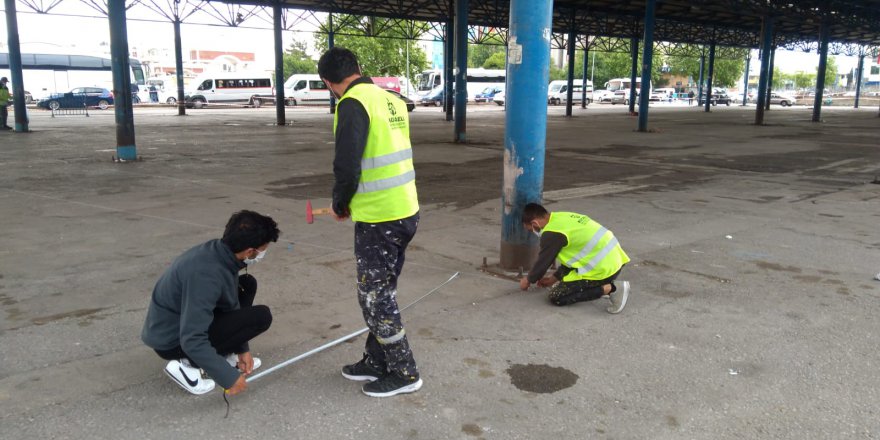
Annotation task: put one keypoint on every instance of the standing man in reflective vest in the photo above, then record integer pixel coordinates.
(589, 255)
(4, 102)
(375, 186)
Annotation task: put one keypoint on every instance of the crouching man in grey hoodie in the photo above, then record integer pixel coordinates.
(201, 314)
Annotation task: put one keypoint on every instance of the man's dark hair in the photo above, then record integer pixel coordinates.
(248, 229)
(533, 211)
(337, 64)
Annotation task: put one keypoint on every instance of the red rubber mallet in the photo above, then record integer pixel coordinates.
(311, 213)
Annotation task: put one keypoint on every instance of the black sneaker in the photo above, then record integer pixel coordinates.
(392, 384)
(363, 370)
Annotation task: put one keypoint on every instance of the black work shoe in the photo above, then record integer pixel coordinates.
(392, 384)
(363, 370)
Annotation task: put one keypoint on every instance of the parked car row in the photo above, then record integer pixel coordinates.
(78, 97)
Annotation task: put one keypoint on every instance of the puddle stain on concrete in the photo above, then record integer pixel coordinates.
(777, 267)
(472, 429)
(541, 378)
(59, 316)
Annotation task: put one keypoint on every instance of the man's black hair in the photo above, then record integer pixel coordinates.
(533, 211)
(337, 64)
(248, 229)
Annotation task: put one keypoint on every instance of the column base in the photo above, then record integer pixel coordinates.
(515, 256)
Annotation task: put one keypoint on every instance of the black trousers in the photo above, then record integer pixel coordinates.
(4, 114)
(564, 293)
(380, 250)
(231, 331)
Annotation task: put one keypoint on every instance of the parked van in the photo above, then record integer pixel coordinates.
(557, 91)
(305, 89)
(227, 88)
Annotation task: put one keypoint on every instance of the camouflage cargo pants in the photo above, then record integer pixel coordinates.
(380, 252)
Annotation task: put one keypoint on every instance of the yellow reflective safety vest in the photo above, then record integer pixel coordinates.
(592, 251)
(4, 96)
(387, 188)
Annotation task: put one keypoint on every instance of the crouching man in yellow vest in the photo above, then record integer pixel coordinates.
(589, 255)
(376, 187)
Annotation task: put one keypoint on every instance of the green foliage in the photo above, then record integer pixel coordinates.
(495, 61)
(378, 56)
(727, 72)
(478, 54)
(296, 60)
(830, 72)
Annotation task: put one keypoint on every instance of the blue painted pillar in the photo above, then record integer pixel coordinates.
(569, 94)
(178, 67)
(820, 76)
(766, 42)
(584, 73)
(448, 61)
(461, 48)
(280, 118)
(528, 72)
(710, 77)
(125, 143)
(746, 80)
(18, 105)
(330, 46)
(702, 69)
(634, 52)
(770, 70)
(647, 61)
(859, 77)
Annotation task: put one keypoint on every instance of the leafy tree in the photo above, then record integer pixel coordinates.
(830, 72)
(478, 54)
(495, 61)
(378, 56)
(727, 72)
(296, 60)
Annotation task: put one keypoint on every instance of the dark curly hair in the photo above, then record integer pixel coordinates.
(248, 229)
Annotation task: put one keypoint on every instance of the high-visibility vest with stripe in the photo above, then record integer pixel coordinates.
(4, 96)
(387, 188)
(592, 251)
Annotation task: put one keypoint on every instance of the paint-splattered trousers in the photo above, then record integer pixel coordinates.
(564, 293)
(380, 252)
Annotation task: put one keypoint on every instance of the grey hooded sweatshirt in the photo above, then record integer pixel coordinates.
(201, 281)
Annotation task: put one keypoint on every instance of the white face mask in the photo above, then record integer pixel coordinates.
(256, 259)
(537, 231)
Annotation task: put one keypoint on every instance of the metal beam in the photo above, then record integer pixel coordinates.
(859, 76)
(584, 73)
(448, 60)
(647, 59)
(767, 42)
(280, 115)
(461, 49)
(634, 53)
(709, 78)
(569, 94)
(746, 80)
(178, 67)
(125, 140)
(770, 70)
(820, 75)
(14, 47)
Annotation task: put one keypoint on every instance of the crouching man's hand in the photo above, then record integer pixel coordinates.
(547, 281)
(524, 283)
(239, 386)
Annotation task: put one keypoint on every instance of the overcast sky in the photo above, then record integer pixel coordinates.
(85, 35)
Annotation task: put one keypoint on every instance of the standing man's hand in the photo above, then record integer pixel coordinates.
(239, 386)
(245, 363)
(524, 283)
(547, 281)
(340, 217)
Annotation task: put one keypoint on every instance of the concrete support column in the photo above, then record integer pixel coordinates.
(280, 116)
(766, 43)
(746, 80)
(708, 102)
(702, 70)
(634, 52)
(461, 49)
(526, 121)
(859, 76)
(647, 61)
(178, 67)
(569, 94)
(125, 142)
(820, 76)
(330, 44)
(584, 73)
(18, 105)
(770, 70)
(448, 60)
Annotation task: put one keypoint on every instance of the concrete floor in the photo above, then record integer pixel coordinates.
(753, 312)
